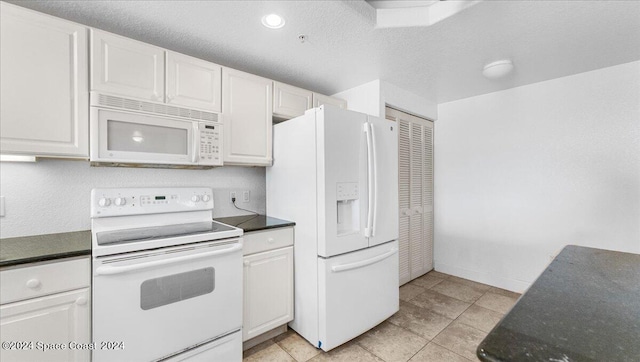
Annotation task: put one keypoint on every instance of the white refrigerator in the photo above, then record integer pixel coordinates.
(335, 174)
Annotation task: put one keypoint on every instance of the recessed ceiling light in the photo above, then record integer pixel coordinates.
(273, 21)
(498, 69)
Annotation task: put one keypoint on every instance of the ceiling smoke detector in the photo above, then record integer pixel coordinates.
(273, 21)
(498, 69)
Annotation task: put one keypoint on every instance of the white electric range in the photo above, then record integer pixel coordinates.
(167, 279)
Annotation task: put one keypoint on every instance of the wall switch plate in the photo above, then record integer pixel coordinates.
(2, 211)
(245, 196)
(232, 195)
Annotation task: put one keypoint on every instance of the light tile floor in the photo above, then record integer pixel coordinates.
(442, 318)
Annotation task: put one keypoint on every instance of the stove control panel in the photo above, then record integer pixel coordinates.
(139, 201)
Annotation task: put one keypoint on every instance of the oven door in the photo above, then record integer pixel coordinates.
(152, 304)
(127, 137)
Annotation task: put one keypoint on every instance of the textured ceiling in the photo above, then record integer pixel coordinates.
(443, 62)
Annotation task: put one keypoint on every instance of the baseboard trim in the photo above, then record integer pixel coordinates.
(513, 285)
(264, 337)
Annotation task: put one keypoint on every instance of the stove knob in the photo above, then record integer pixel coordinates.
(120, 201)
(206, 198)
(104, 202)
(195, 198)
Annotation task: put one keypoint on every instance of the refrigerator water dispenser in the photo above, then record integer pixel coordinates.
(348, 208)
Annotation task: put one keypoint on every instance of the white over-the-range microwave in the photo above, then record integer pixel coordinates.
(132, 133)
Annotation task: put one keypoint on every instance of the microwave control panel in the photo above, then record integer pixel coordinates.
(210, 143)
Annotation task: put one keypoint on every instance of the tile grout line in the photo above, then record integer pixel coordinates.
(430, 310)
(454, 320)
(287, 352)
(446, 277)
(365, 348)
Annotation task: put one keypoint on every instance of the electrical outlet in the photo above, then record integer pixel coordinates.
(245, 196)
(232, 195)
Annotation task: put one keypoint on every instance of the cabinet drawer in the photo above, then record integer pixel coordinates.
(38, 280)
(255, 242)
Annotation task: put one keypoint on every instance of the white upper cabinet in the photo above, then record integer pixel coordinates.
(289, 101)
(193, 83)
(126, 67)
(320, 99)
(247, 114)
(44, 94)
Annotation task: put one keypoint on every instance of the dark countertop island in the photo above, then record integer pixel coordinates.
(584, 307)
(36, 248)
(250, 223)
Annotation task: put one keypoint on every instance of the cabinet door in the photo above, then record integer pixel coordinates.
(193, 83)
(289, 101)
(59, 318)
(44, 92)
(126, 67)
(268, 291)
(247, 114)
(320, 99)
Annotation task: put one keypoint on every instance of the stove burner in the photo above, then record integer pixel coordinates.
(158, 232)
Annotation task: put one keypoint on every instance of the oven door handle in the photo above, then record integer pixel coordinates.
(112, 270)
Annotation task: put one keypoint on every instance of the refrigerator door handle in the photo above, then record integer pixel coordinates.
(375, 182)
(368, 229)
(360, 264)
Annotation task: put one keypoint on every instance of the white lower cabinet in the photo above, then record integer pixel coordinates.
(268, 287)
(54, 322)
(58, 322)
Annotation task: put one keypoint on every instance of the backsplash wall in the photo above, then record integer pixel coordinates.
(53, 196)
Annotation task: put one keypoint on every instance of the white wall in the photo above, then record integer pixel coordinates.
(53, 196)
(521, 173)
(371, 98)
(364, 98)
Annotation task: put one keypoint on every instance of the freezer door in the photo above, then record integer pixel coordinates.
(357, 291)
(384, 135)
(342, 180)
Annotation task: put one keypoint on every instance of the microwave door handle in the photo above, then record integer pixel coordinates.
(113, 270)
(196, 144)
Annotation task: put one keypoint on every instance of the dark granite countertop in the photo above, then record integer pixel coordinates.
(584, 307)
(250, 223)
(30, 249)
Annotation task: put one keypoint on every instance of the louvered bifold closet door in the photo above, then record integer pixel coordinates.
(404, 179)
(427, 192)
(415, 194)
(417, 247)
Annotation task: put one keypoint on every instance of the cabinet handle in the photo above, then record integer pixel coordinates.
(81, 301)
(33, 283)
(270, 240)
(247, 263)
